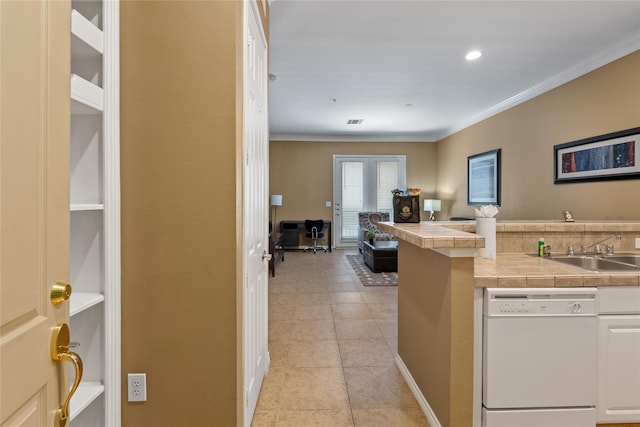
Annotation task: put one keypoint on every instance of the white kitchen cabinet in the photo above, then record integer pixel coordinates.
(95, 210)
(619, 355)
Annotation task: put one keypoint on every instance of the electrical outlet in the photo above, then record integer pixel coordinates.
(137, 389)
(327, 203)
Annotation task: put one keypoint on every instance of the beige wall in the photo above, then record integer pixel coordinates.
(303, 172)
(178, 145)
(603, 101)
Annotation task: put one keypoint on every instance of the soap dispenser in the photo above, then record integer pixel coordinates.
(541, 246)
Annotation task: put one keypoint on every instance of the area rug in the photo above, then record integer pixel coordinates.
(368, 277)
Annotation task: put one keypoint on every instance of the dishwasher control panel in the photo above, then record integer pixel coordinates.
(540, 302)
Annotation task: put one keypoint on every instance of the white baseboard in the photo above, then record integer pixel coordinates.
(424, 405)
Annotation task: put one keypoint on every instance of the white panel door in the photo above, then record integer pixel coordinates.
(255, 214)
(34, 203)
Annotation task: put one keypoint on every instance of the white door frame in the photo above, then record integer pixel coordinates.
(112, 238)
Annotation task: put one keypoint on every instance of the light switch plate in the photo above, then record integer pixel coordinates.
(328, 204)
(637, 242)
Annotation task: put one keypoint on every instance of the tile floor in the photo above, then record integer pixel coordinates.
(332, 343)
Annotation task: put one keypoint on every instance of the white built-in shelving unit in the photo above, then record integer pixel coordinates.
(95, 210)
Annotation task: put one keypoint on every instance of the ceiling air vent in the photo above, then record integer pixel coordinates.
(355, 121)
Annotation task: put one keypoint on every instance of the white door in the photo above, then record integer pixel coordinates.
(363, 184)
(255, 214)
(34, 206)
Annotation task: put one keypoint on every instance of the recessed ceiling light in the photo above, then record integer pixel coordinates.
(474, 54)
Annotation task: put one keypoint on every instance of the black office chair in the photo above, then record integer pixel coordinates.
(314, 231)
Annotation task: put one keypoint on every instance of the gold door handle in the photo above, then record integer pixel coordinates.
(60, 292)
(60, 352)
(266, 256)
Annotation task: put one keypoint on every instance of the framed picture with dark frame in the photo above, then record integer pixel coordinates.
(483, 178)
(599, 158)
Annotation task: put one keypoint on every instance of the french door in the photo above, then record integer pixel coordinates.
(363, 184)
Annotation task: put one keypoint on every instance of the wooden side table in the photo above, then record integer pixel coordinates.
(277, 253)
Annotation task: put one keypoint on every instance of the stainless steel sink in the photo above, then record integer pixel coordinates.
(625, 258)
(610, 263)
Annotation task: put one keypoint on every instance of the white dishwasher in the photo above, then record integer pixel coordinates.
(539, 357)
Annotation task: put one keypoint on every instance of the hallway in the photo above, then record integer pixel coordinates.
(332, 343)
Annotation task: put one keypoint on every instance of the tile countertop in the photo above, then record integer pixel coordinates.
(429, 235)
(536, 226)
(515, 270)
(579, 226)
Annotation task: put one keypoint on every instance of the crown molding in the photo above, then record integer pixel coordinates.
(349, 138)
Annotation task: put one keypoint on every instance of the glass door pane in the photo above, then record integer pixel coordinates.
(387, 179)
(352, 198)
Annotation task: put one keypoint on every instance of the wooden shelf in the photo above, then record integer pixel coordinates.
(84, 395)
(81, 301)
(87, 39)
(86, 98)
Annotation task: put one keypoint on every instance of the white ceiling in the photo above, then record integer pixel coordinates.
(400, 65)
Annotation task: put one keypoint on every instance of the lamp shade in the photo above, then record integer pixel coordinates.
(276, 200)
(432, 205)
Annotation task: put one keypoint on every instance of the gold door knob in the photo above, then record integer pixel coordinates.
(60, 292)
(60, 352)
(266, 256)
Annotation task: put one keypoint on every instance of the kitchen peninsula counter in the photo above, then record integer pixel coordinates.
(435, 235)
(517, 269)
(439, 279)
(436, 290)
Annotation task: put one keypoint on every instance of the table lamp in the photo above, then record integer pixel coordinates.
(432, 205)
(276, 200)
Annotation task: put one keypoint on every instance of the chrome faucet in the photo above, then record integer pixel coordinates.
(598, 250)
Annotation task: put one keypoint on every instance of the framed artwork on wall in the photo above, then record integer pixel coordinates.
(599, 158)
(483, 178)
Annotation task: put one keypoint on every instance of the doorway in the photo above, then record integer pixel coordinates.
(363, 184)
